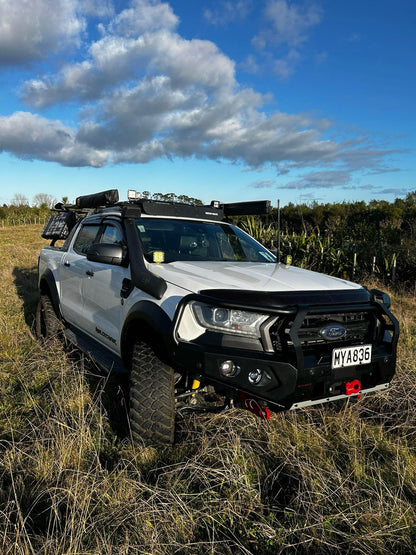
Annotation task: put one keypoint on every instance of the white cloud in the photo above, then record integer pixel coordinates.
(96, 8)
(397, 192)
(285, 67)
(320, 180)
(30, 136)
(144, 16)
(263, 184)
(285, 33)
(290, 22)
(250, 65)
(114, 59)
(30, 30)
(228, 11)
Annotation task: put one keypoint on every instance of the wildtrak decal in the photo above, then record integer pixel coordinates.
(101, 332)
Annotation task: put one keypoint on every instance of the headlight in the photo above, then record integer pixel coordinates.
(198, 317)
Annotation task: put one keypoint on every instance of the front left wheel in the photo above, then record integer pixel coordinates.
(152, 397)
(47, 323)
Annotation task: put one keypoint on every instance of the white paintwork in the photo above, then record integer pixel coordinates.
(199, 276)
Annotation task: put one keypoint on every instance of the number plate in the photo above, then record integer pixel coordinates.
(351, 356)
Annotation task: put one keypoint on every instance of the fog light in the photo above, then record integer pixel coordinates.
(229, 369)
(255, 376)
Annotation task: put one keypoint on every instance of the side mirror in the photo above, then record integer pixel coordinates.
(106, 253)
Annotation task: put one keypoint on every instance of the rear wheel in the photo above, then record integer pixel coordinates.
(47, 323)
(152, 397)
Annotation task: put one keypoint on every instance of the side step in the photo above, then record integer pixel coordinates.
(99, 354)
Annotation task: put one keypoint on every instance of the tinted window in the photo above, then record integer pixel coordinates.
(86, 238)
(111, 235)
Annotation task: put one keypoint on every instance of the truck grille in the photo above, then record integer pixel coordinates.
(356, 324)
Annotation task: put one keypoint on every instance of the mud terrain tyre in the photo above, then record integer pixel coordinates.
(152, 398)
(47, 323)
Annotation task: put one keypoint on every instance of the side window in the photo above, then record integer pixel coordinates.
(86, 238)
(111, 235)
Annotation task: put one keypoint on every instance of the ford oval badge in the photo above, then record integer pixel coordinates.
(333, 332)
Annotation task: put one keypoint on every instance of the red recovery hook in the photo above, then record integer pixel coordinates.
(254, 406)
(353, 388)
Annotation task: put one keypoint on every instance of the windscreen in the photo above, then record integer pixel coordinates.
(170, 240)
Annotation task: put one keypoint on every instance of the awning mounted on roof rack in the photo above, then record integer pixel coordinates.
(252, 208)
(105, 198)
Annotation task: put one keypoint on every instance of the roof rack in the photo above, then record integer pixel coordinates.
(59, 225)
(215, 210)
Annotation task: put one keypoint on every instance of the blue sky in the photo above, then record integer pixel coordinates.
(232, 100)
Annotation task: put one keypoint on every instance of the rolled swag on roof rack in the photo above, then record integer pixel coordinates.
(199, 313)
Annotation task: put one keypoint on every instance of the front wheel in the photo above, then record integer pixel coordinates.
(47, 323)
(152, 397)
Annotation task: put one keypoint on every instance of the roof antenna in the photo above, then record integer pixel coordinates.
(278, 231)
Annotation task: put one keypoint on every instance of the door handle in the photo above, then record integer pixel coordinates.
(126, 288)
(67, 264)
(89, 273)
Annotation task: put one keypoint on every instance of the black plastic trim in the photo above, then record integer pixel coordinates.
(141, 277)
(105, 253)
(149, 320)
(48, 278)
(282, 303)
(106, 359)
(286, 299)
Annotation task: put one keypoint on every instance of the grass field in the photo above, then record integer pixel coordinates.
(325, 480)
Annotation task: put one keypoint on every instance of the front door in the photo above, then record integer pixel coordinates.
(103, 305)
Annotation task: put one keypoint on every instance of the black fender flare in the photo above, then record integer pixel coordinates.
(149, 321)
(47, 285)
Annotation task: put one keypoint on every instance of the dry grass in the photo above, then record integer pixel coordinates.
(327, 480)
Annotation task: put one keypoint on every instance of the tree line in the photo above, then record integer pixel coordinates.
(348, 239)
(19, 210)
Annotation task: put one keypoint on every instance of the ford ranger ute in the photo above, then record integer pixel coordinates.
(186, 303)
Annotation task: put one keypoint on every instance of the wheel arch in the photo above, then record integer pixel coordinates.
(150, 323)
(47, 286)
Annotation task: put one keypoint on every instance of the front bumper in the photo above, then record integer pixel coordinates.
(283, 386)
(300, 374)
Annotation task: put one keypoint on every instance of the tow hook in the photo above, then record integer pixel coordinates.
(353, 388)
(253, 406)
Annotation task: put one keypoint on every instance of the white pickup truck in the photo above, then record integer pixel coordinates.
(186, 302)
